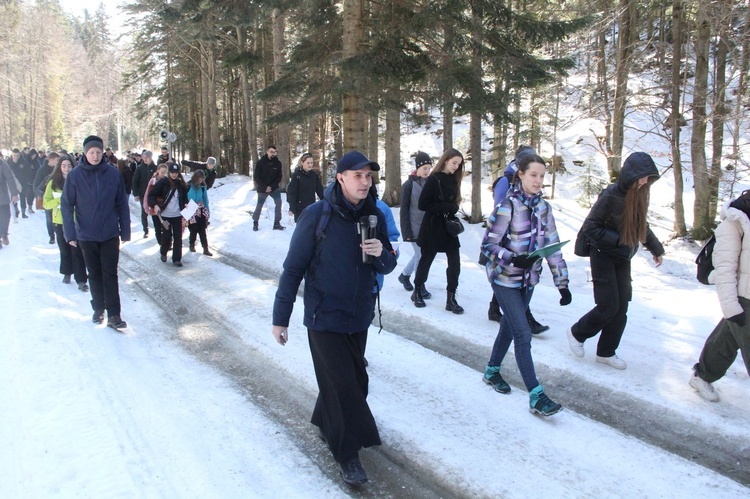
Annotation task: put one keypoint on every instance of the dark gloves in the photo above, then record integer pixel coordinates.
(738, 319)
(565, 297)
(523, 261)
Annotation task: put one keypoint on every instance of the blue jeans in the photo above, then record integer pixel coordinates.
(514, 327)
(414, 260)
(262, 196)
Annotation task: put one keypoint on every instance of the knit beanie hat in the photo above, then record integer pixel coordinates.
(422, 159)
(211, 160)
(524, 151)
(92, 141)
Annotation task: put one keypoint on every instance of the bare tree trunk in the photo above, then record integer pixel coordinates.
(372, 142)
(719, 108)
(447, 124)
(676, 120)
(213, 111)
(392, 194)
(284, 131)
(740, 97)
(702, 225)
(241, 39)
(353, 108)
(475, 127)
(624, 53)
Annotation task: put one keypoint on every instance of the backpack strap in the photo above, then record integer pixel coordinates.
(320, 235)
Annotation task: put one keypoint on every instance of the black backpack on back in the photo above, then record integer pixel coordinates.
(704, 261)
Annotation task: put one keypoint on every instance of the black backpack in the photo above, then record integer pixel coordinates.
(704, 261)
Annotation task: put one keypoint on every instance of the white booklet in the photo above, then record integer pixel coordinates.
(189, 210)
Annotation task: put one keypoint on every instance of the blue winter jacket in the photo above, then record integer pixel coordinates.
(338, 286)
(199, 195)
(503, 183)
(393, 235)
(94, 203)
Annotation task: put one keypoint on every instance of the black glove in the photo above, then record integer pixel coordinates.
(738, 319)
(523, 261)
(565, 296)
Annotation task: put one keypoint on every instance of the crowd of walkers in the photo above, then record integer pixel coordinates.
(342, 245)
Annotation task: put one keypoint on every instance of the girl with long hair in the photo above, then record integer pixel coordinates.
(611, 234)
(440, 199)
(304, 185)
(197, 224)
(161, 171)
(521, 224)
(71, 258)
(169, 197)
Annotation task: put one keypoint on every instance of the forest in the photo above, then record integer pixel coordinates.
(229, 77)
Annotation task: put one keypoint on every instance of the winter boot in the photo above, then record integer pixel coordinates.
(255, 225)
(536, 328)
(404, 280)
(352, 471)
(192, 247)
(494, 313)
(492, 377)
(98, 317)
(417, 297)
(278, 226)
(206, 252)
(116, 322)
(66, 279)
(539, 403)
(426, 294)
(452, 305)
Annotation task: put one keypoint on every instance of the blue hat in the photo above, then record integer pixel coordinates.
(355, 160)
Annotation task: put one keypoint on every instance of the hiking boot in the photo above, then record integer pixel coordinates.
(207, 253)
(452, 305)
(24, 215)
(536, 328)
(539, 403)
(145, 233)
(164, 258)
(5, 240)
(178, 263)
(255, 225)
(404, 280)
(192, 247)
(492, 377)
(575, 346)
(66, 279)
(278, 226)
(494, 313)
(98, 317)
(613, 361)
(83, 287)
(52, 240)
(417, 297)
(116, 322)
(352, 471)
(704, 388)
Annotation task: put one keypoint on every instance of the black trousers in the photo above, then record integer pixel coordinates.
(50, 225)
(158, 228)
(174, 235)
(198, 229)
(451, 273)
(613, 290)
(144, 219)
(71, 257)
(4, 219)
(27, 198)
(101, 261)
(341, 411)
(722, 345)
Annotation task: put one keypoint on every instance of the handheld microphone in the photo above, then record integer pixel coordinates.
(373, 221)
(364, 232)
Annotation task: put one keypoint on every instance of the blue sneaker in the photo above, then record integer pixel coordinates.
(539, 403)
(493, 378)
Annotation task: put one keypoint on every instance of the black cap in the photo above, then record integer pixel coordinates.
(355, 160)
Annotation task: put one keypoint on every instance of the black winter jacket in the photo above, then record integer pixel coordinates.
(301, 191)
(23, 170)
(199, 165)
(159, 193)
(433, 234)
(602, 225)
(267, 173)
(41, 179)
(142, 175)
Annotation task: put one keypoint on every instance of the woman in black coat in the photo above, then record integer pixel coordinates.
(611, 234)
(169, 197)
(304, 185)
(439, 200)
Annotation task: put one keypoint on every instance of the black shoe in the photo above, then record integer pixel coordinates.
(352, 471)
(417, 297)
(116, 322)
(452, 305)
(278, 226)
(255, 226)
(31, 210)
(145, 235)
(164, 258)
(426, 294)
(24, 215)
(66, 279)
(98, 317)
(52, 240)
(366, 363)
(536, 328)
(192, 248)
(83, 287)
(178, 264)
(494, 313)
(404, 280)
(207, 253)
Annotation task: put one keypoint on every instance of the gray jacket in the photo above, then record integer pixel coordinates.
(8, 187)
(410, 215)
